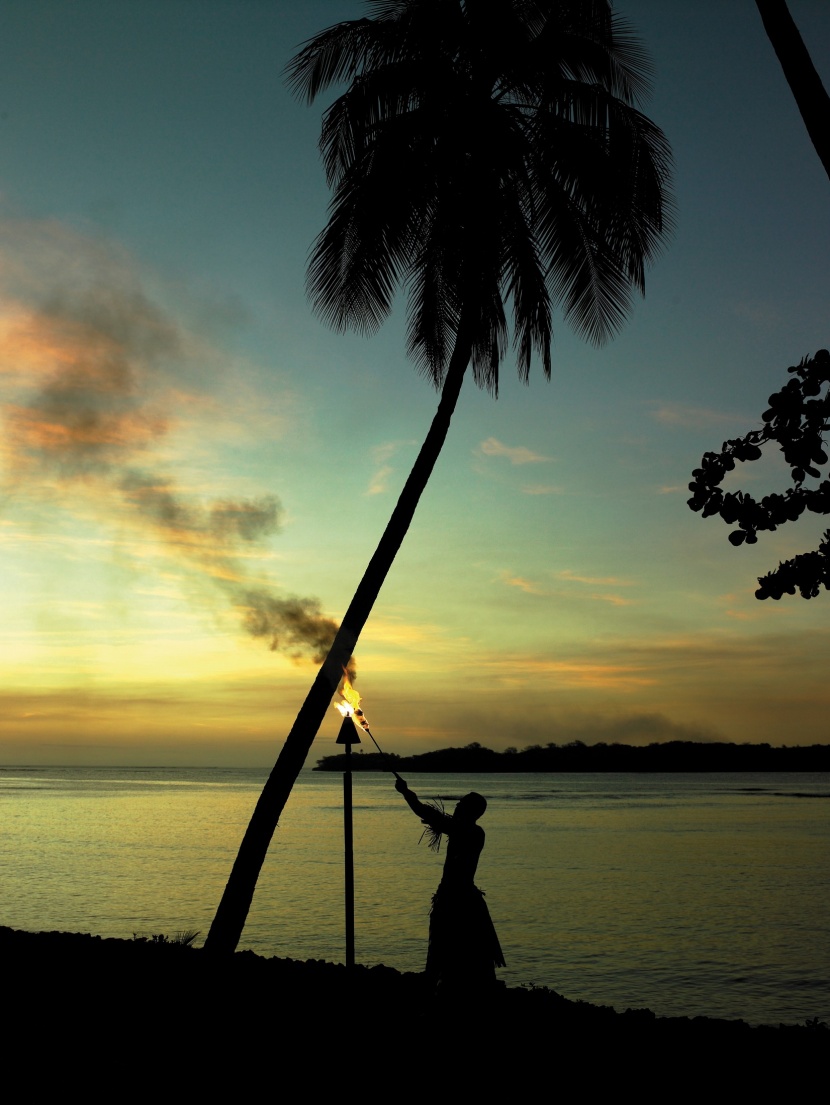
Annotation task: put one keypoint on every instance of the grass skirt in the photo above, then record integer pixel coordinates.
(463, 945)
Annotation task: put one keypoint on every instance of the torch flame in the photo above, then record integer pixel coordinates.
(350, 706)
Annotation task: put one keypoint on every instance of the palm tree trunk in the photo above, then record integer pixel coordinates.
(226, 929)
(805, 83)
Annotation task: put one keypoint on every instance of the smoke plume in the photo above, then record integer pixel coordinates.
(90, 389)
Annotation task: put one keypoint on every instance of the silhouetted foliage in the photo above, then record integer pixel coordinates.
(577, 756)
(184, 938)
(797, 420)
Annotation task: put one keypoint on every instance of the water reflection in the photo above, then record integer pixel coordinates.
(687, 894)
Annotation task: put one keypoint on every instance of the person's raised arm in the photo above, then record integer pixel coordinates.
(428, 814)
(410, 797)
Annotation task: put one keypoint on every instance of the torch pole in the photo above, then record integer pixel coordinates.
(348, 837)
(348, 736)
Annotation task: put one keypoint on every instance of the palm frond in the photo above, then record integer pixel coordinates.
(330, 57)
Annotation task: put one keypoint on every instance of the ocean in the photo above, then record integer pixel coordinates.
(685, 894)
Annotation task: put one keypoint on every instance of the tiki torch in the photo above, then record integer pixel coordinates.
(348, 736)
(350, 707)
(353, 720)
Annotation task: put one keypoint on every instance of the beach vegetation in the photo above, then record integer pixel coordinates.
(184, 938)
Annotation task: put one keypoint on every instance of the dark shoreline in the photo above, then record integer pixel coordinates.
(668, 756)
(83, 988)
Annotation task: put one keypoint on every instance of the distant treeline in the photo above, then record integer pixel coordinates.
(576, 756)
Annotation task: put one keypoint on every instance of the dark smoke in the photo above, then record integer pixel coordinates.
(290, 625)
(95, 420)
(223, 524)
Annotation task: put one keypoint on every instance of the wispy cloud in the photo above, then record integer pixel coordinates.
(743, 607)
(379, 483)
(396, 637)
(599, 581)
(690, 417)
(381, 456)
(723, 658)
(516, 454)
(521, 584)
(720, 674)
(594, 581)
(613, 600)
(534, 587)
(579, 672)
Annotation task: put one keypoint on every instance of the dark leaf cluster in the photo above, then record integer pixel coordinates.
(797, 419)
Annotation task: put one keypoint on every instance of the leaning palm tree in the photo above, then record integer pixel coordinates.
(805, 84)
(485, 156)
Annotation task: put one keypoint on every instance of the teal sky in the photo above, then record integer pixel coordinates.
(159, 192)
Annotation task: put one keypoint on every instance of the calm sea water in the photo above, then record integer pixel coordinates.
(688, 894)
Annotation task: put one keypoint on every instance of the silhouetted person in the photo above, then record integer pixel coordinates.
(464, 949)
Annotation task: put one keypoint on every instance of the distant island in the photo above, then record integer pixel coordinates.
(577, 756)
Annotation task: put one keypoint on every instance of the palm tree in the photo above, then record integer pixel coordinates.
(805, 84)
(485, 155)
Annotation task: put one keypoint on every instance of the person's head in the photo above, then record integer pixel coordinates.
(470, 807)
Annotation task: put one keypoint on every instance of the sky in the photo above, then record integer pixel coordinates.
(194, 467)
